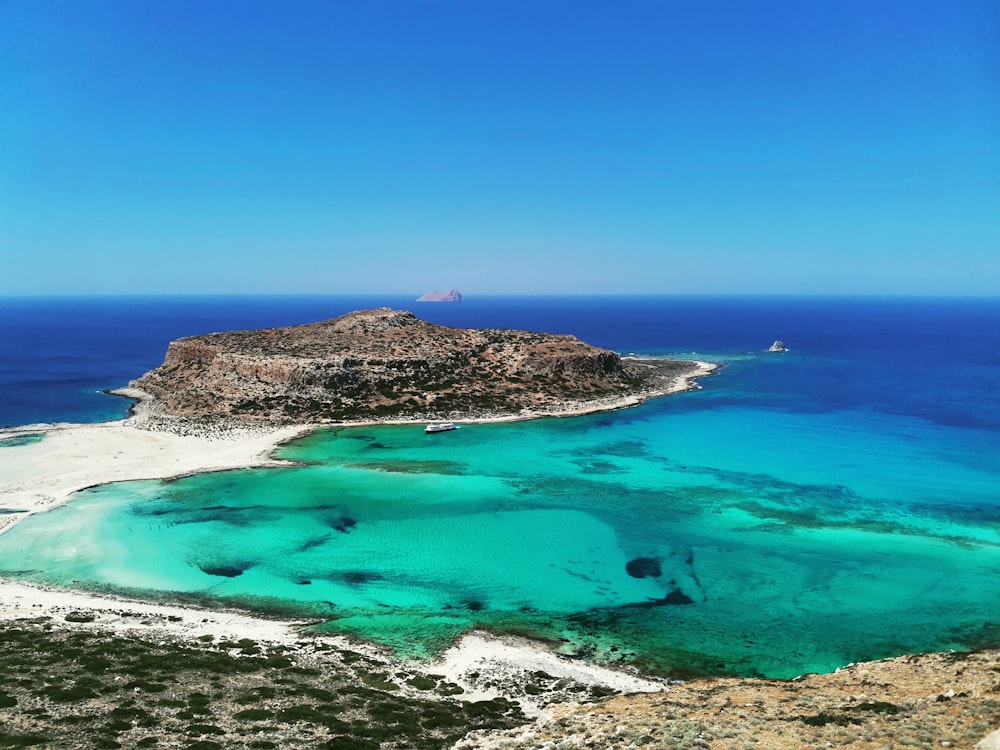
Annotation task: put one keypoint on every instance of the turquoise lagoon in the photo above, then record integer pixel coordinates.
(662, 535)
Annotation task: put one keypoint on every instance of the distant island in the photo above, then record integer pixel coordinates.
(451, 295)
(384, 364)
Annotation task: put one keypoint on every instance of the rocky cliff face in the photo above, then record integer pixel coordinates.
(379, 364)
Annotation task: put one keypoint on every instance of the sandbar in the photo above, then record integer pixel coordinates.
(41, 475)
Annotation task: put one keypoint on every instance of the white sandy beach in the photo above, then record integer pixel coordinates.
(72, 457)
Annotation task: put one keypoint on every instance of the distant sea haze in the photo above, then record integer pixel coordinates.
(805, 509)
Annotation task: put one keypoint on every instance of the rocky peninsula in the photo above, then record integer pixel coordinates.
(383, 364)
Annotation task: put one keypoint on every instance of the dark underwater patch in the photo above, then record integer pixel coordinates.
(226, 571)
(360, 577)
(674, 597)
(642, 567)
(15, 572)
(230, 516)
(785, 519)
(241, 516)
(834, 498)
(978, 513)
(677, 597)
(592, 466)
(404, 466)
(313, 542)
(977, 637)
(338, 521)
(623, 449)
(153, 509)
(353, 435)
(345, 524)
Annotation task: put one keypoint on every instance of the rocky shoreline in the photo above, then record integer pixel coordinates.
(664, 377)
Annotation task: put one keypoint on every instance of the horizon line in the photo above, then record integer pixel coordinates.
(493, 295)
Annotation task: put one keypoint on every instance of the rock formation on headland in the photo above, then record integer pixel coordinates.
(378, 364)
(452, 295)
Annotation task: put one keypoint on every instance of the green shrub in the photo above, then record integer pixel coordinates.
(80, 617)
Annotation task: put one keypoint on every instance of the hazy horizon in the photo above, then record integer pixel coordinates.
(528, 295)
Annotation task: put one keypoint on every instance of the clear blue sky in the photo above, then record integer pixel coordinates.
(544, 146)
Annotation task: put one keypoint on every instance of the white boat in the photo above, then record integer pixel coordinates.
(443, 427)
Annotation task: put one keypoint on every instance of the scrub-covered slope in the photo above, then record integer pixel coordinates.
(377, 364)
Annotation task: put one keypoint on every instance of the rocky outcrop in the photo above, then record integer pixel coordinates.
(930, 700)
(378, 364)
(452, 295)
(777, 346)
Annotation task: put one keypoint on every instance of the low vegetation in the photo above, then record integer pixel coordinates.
(71, 685)
(929, 701)
(85, 689)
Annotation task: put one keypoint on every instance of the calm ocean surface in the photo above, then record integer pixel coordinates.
(835, 503)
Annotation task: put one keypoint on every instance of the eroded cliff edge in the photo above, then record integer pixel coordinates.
(389, 364)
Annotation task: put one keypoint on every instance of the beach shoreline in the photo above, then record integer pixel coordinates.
(947, 697)
(72, 457)
(485, 665)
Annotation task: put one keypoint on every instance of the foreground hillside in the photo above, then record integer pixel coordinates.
(379, 364)
(75, 687)
(69, 684)
(928, 701)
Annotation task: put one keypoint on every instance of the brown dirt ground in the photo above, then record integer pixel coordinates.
(925, 701)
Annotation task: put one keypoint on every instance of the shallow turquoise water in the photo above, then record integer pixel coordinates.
(703, 532)
(19, 440)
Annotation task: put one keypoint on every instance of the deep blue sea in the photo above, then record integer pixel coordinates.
(837, 502)
(936, 359)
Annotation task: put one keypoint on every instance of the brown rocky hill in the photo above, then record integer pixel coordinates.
(930, 701)
(378, 364)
